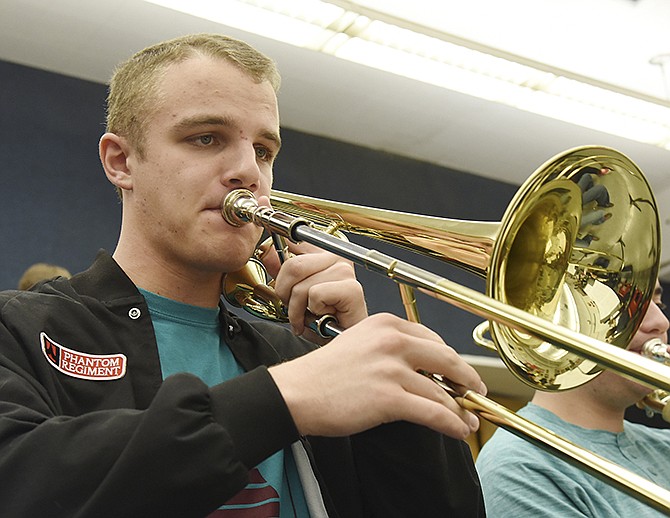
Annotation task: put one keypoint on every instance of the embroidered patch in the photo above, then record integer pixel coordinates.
(97, 367)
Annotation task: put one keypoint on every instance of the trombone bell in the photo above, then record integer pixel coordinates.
(578, 246)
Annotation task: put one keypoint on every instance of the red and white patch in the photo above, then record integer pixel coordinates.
(97, 367)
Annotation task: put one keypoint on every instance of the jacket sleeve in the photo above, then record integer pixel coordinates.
(181, 456)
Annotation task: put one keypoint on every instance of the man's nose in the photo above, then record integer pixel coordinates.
(655, 321)
(241, 168)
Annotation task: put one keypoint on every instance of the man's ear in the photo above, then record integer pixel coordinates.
(114, 151)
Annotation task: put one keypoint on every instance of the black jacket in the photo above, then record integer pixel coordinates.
(101, 434)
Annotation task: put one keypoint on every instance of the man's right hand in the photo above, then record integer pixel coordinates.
(369, 375)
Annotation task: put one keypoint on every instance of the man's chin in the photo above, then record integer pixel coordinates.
(639, 391)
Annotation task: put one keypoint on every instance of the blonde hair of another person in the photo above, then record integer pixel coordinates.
(40, 272)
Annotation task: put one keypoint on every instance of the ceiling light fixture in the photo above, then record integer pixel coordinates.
(358, 34)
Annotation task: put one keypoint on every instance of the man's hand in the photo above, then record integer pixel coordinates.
(369, 375)
(318, 281)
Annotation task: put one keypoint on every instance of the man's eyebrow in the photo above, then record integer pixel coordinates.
(204, 120)
(274, 137)
(228, 122)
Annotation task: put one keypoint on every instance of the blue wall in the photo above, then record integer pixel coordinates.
(57, 205)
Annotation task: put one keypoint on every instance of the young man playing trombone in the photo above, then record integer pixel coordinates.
(129, 390)
(521, 480)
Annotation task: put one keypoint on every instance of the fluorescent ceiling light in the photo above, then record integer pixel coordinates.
(422, 54)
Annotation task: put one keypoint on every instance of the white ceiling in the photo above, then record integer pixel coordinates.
(610, 40)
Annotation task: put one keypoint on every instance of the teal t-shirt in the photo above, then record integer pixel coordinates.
(189, 340)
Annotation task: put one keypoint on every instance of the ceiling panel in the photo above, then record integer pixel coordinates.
(86, 39)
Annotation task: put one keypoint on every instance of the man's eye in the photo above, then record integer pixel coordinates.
(263, 153)
(661, 305)
(202, 140)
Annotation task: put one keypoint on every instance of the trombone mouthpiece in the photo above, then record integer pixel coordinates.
(656, 350)
(238, 207)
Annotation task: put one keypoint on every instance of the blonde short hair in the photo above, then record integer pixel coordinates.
(133, 91)
(41, 272)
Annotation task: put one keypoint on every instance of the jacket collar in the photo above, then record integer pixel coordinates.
(106, 281)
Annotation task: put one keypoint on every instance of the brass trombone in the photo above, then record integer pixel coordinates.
(546, 257)
(562, 281)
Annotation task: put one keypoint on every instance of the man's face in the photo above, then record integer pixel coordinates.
(214, 130)
(654, 325)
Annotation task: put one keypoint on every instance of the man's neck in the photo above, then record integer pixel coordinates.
(580, 408)
(195, 288)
